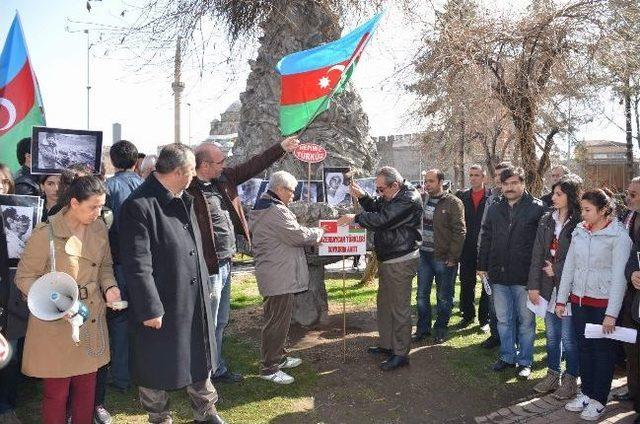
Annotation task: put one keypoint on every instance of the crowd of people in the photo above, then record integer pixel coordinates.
(160, 234)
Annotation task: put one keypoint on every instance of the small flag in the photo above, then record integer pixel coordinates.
(311, 77)
(20, 103)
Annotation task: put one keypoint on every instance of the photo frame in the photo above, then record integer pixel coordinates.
(55, 149)
(261, 190)
(301, 193)
(368, 185)
(336, 182)
(248, 191)
(20, 215)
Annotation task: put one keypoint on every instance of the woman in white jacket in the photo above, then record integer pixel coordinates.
(593, 282)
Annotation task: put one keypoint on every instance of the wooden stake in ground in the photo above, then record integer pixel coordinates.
(308, 182)
(344, 311)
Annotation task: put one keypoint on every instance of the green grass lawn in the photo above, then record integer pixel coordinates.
(257, 401)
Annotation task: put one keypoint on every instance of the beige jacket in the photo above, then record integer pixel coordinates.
(278, 248)
(49, 351)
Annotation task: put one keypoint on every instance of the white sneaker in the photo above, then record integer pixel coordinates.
(279, 377)
(593, 411)
(524, 372)
(578, 403)
(290, 362)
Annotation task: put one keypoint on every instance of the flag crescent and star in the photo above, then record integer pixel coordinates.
(310, 78)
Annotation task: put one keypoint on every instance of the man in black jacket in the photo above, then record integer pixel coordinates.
(557, 172)
(26, 182)
(395, 217)
(506, 241)
(474, 200)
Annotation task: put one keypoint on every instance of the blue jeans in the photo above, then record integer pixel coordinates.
(514, 317)
(445, 276)
(561, 340)
(597, 356)
(119, 338)
(220, 286)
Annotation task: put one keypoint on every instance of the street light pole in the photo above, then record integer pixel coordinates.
(189, 109)
(86, 31)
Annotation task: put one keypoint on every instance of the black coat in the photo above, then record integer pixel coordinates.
(538, 280)
(506, 240)
(166, 276)
(396, 223)
(473, 223)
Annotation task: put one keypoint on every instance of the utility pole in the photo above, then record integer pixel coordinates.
(177, 87)
(86, 31)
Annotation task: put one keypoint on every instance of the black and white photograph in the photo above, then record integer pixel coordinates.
(336, 186)
(20, 214)
(368, 185)
(55, 149)
(248, 191)
(302, 192)
(261, 190)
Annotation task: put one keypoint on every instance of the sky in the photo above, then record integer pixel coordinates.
(141, 99)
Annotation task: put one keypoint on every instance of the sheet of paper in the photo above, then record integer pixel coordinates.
(540, 309)
(487, 286)
(624, 334)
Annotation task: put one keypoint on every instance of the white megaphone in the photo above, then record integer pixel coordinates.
(55, 296)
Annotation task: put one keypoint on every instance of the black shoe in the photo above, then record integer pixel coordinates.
(623, 397)
(228, 377)
(439, 339)
(416, 338)
(377, 350)
(490, 343)
(501, 365)
(216, 419)
(101, 415)
(465, 323)
(396, 361)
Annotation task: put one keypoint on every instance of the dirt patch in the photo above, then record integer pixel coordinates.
(352, 389)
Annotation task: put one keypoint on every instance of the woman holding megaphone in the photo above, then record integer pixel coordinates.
(74, 242)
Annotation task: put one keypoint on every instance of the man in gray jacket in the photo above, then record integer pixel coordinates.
(281, 270)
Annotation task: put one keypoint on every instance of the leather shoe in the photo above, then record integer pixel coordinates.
(623, 397)
(396, 361)
(420, 337)
(465, 323)
(439, 340)
(377, 350)
(501, 365)
(637, 420)
(490, 343)
(216, 419)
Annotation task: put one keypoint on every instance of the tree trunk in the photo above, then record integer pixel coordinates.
(461, 146)
(523, 121)
(628, 128)
(636, 112)
(343, 129)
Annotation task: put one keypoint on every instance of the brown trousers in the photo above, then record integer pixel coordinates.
(277, 319)
(203, 398)
(394, 305)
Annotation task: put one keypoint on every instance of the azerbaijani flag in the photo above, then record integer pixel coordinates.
(20, 104)
(311, 77)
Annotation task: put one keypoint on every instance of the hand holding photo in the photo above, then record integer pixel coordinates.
(55, 149)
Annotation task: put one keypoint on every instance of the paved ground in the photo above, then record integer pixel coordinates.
(548, 410)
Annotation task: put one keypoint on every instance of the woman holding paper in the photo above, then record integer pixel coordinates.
(593, 280)
(547, 262)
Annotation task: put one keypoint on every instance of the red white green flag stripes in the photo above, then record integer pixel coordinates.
(311, 77)
(20, 104)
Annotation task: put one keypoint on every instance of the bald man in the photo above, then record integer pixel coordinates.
(220, 217)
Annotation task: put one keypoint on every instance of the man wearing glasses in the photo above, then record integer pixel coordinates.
(220, 217)
(632, 223)
(395, 217)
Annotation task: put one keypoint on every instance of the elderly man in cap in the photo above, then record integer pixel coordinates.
(281, 270)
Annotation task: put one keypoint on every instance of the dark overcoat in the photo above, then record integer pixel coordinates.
(161, 255)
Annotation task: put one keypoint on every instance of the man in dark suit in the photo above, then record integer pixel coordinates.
(474, 200)
(169, 297)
